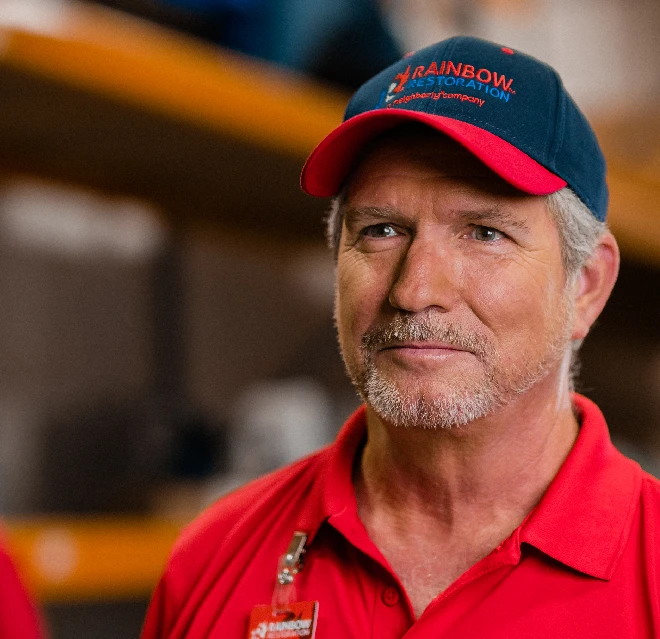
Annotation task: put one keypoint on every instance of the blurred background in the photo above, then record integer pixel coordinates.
(165, 291)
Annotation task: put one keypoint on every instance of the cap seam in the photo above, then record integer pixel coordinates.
(559, 128)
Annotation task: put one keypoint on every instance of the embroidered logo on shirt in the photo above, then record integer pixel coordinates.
(299, 621)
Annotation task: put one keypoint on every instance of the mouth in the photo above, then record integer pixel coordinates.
(413, 354)
(423, 346)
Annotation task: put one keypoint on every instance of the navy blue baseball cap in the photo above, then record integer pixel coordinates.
(507, 108)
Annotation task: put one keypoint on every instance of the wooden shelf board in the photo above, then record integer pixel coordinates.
(84, 559)
(630, 144)
(108, 53)
(51, 130)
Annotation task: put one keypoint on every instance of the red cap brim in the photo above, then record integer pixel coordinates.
(328, 165)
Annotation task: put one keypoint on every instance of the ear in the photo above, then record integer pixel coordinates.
(594, 285)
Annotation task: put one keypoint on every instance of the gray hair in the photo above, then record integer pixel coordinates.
(579, 230)
(579, 233)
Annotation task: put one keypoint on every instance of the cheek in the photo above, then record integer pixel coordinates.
(360, 294)
(514, 303)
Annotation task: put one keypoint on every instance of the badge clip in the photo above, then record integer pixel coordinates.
(290, 564)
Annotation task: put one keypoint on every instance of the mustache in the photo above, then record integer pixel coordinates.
(415, 328)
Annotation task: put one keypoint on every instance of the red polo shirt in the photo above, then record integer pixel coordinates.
(585, 563)
(18, 616)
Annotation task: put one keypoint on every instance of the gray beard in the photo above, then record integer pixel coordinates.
(458, 407)
(463, 401)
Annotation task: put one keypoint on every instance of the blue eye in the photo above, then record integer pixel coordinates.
(486, 234)
(379, 231)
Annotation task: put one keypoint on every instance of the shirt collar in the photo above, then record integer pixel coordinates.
(583, 520)
(585, 516)
(333, 494)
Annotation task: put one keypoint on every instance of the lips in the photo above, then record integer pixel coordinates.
(423, 346)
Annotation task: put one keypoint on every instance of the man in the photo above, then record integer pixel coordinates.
(473, 495)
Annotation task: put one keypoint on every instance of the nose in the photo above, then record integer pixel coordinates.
(426, 278)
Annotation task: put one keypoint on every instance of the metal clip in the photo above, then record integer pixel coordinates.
(292, 560)
(289, 566)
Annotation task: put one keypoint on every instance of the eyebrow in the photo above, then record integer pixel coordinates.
(352, 214)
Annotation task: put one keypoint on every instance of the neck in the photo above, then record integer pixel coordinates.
(496, 468)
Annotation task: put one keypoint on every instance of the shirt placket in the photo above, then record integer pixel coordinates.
(392, 611)
(463, 595)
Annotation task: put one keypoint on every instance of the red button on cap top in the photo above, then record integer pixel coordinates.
(390, 596)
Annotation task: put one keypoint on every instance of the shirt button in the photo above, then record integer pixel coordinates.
(390, 596)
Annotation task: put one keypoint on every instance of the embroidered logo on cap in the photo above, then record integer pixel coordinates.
(447, 74)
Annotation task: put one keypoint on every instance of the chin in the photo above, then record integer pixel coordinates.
(447, 406)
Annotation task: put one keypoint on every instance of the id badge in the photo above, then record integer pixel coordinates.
(299, 620)
(286, 618)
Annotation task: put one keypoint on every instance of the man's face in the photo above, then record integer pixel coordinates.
(451, 297)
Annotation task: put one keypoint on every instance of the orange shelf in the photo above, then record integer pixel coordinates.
(108, 53)
(66, 559)
(630, 144)
(635, 215)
